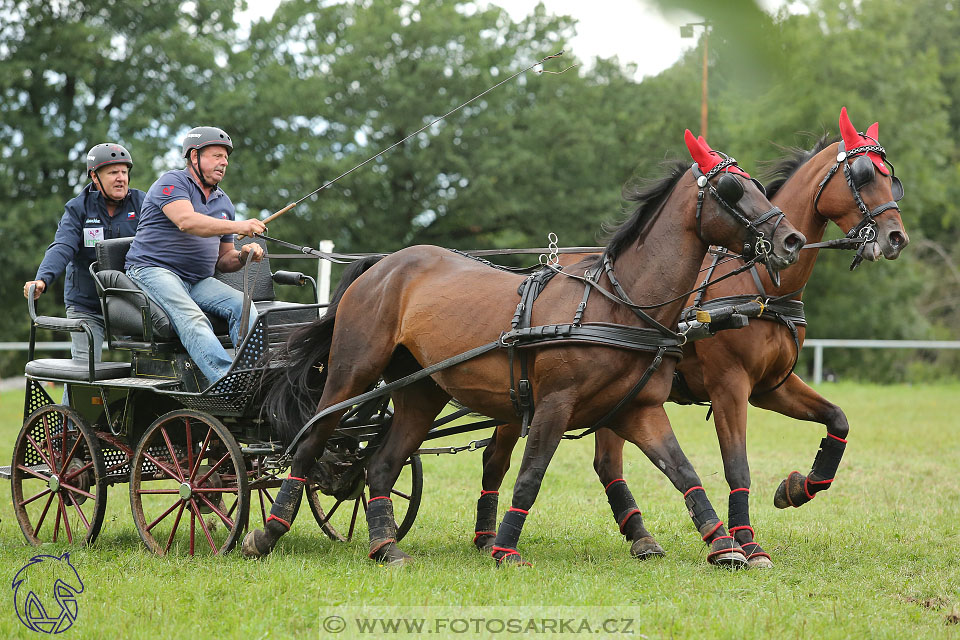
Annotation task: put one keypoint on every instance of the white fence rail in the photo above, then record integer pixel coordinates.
(818, 345)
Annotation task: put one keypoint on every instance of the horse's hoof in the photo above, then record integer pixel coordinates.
(510, 559)
(760, 562)
(646, 547)
(730, 560)
(254, 545)
(484, 542)
(792, 491)
(390, 555)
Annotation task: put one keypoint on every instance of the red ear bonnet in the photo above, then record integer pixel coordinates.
(705, 157)
(852, 139)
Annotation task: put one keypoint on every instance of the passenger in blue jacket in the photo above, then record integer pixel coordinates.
(106, 208)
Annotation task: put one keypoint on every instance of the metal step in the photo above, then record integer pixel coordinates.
(39, 468)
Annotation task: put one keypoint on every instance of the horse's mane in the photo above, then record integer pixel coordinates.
(790, 163)
(649, 195)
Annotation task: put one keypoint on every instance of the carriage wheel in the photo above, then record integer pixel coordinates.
(338, 516)
(188, 485)
(57, 478)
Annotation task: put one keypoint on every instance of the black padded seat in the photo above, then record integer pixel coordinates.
(76, 370)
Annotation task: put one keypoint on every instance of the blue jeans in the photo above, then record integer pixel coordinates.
(78, 341)
(184, 304)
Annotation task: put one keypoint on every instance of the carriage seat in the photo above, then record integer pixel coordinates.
(75, 370)
(67, 369)
(125, 306)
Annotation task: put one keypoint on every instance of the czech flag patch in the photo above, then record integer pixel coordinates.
(131, 215)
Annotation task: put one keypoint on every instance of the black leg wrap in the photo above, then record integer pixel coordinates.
(825, 464)
(380, 522)
(799, 489)
(624, 509)
(701, 512)
(738, 519)
(285, 507)
(738, 510)
(508, 535)
(487, 513)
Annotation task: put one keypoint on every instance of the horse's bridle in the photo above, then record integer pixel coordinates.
(858, 173)
(730, 189)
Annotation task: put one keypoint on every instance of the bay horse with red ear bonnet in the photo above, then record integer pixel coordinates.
(416, 309)
(849, 182)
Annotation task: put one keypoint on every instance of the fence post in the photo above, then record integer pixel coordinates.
(817, 364)
(323, 272)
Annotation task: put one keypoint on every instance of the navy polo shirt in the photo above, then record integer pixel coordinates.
(83, 224)
(159, 243)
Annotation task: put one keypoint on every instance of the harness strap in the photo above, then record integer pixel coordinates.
(641, 383)
(384, 390)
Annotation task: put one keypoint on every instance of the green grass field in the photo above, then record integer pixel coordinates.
(877, 556)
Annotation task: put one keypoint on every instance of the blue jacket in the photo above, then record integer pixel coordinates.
(84, 222)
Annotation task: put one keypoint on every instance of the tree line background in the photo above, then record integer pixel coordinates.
(319, 87)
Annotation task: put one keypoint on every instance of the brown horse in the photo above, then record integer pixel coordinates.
(423, 305)
(755, 364)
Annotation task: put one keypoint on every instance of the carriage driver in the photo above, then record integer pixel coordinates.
(186, 232)
(106, 208)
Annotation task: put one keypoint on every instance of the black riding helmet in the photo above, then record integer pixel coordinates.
(200, 137)
(105, 154)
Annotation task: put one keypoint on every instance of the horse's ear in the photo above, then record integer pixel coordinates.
(699, 154)
(848, 132)
(874, 132)
(703, 143)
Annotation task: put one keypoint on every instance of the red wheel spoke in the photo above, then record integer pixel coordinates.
(353, 520)
(160, 491)
(44, 514)
(70, 476)
(76, 506)
(164, 515)
(78, 490)
(212, 469)
(176, 523)
(186, 423)
(400, 493)
(173, 454)
(332, 511)
(56, 523)
(73, 450)
(39, 495)
(40, 451)
(227, 521)
(193, 527)
(203, 451)
(33, 473)
(66, 520)
(160, 465)
(46, 433)
(203, 525)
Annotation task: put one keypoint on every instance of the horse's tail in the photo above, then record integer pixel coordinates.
(294, 376)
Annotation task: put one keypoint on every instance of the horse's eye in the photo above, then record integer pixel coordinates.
(729, 188)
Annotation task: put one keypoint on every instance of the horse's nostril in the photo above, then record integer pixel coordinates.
(896, 238)
(793, 242)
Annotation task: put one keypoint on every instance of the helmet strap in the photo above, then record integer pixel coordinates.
(196, 169)
(95, 176)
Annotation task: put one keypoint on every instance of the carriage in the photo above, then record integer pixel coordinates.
(198, 461)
